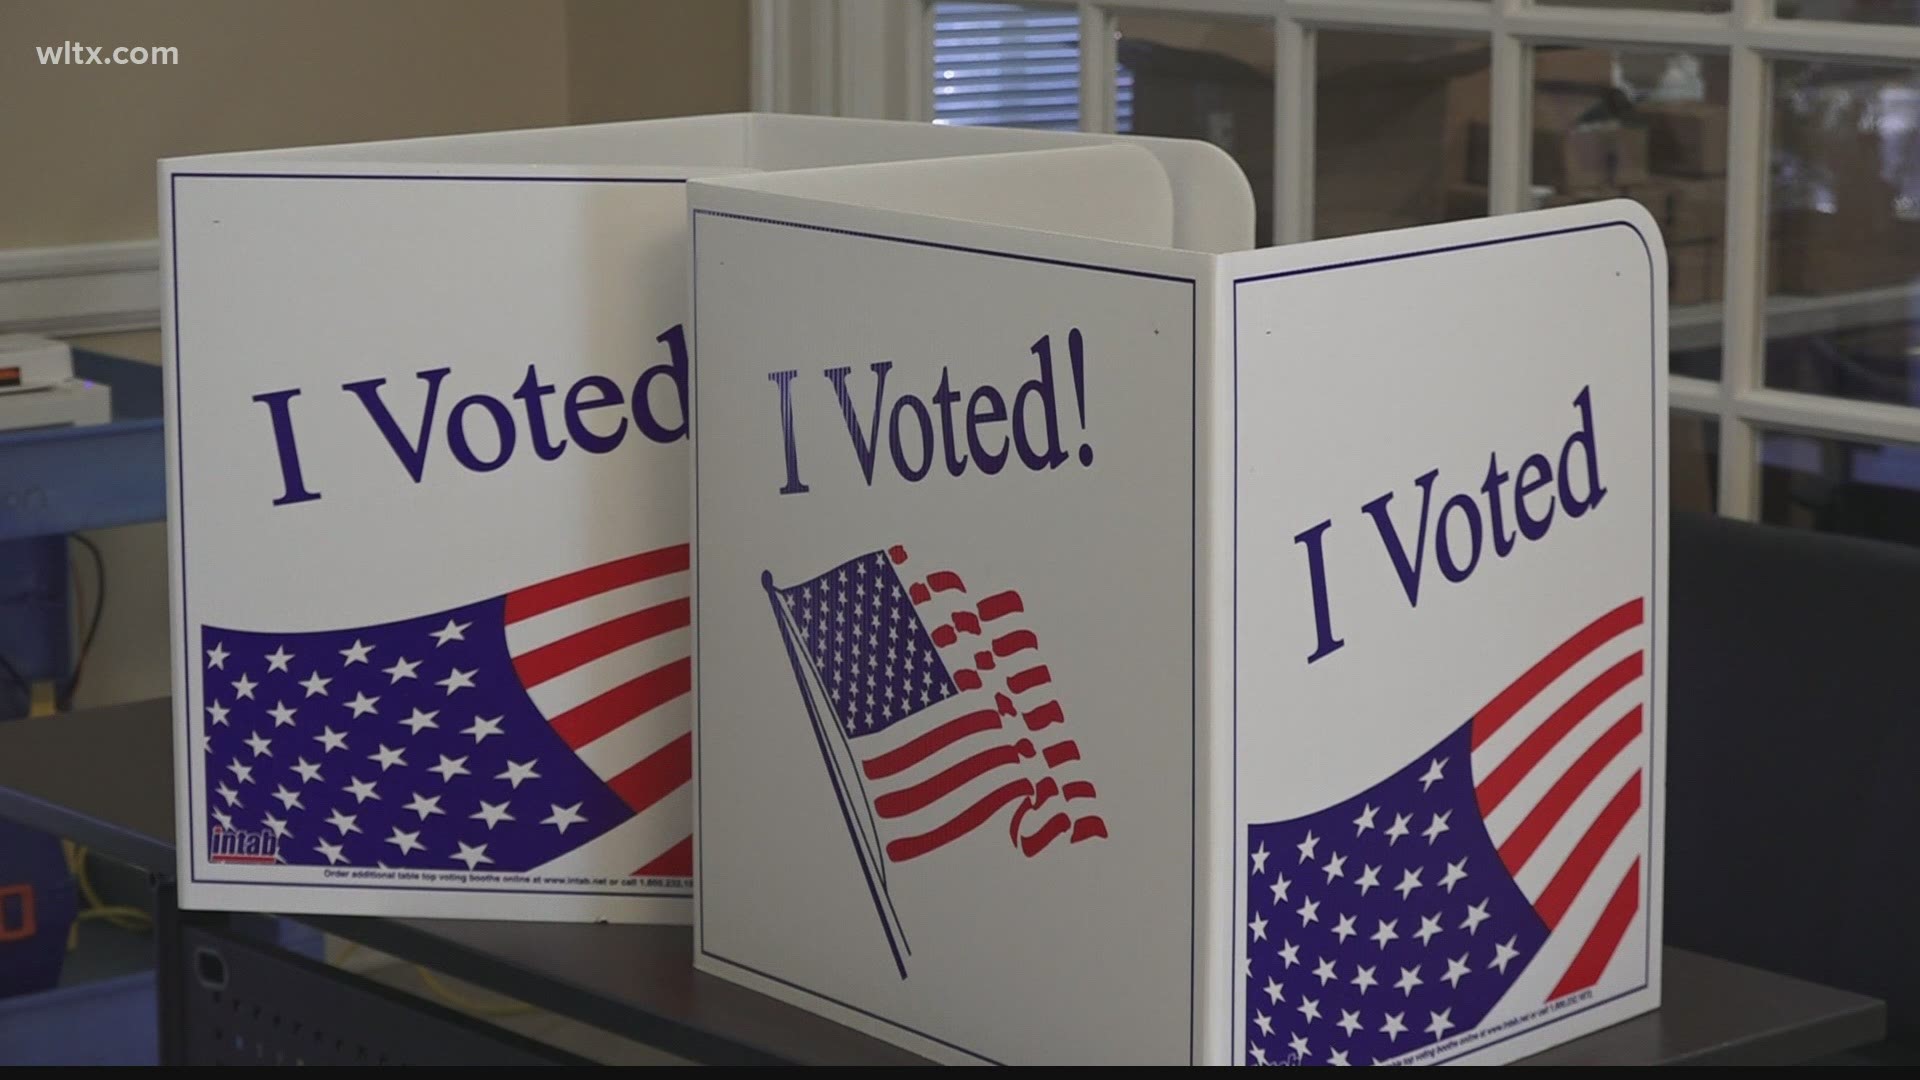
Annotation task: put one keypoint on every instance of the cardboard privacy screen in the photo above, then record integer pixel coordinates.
(428, 466)
(1112, 652)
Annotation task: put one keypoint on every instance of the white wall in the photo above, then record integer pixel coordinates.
(80, 142)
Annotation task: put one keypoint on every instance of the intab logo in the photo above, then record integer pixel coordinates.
(260, 846)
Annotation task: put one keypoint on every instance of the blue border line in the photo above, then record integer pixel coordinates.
(1193, 307)
(433, 176)
(693, 551)
(1497, 241)
(791, 985)
(451, 892)
(1014, 255)
(192, 669)
(1233, 813)
(1656, 360)
(190, 652)
(1193, 634)
(1568, 1015)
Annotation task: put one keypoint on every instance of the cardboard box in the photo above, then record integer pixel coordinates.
(1567, 108)
(1190, 81)
(1383, 148)
(1578, 68)
(1393, 112)
(1389, 127)
(1698, 209)
(1466, 201)
(1243, 44)
(1564, 96)
(1656, 194)
(1387, 141)
(428, 465)
(1695, 452)
(1695, 272)
(1687, 209)
(1816, 253)
(1686, 139)
(1386, 145)
(1610, 156)
(1595, 157)
(1076, 659)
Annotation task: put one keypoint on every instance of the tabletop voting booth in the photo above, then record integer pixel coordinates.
(428, 467)
(1114, 648)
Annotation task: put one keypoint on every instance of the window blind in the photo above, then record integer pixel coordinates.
(1011, 65)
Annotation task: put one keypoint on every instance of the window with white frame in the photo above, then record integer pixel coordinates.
(1777, 141)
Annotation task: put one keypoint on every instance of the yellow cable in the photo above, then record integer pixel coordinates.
(444, 992)
(67, 849)
(122, 916)
(117, 911)
(461, 1001)
(127, 917)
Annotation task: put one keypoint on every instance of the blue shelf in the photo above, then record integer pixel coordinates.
(55, 481)
(61, 480)
(110, 1022)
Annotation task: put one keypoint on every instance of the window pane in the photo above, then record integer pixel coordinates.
(1711, 6)
(1012, 65)
(1391, 118)
(1862, 489)
(1896, 12)
(1649, 126)
(1202, 78)
(1693, 462)
(1844, 239)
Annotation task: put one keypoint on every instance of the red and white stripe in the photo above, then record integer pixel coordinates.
(999, 743)
(1559, 766)
(605, 654)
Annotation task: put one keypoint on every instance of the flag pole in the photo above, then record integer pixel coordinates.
(826, 755)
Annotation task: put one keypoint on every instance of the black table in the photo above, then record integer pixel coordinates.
(104, 779)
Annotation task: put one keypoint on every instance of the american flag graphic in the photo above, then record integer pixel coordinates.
(935, 714)
(1403, 916)
(543, 729)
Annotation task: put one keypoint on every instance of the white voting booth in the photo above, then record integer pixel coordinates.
(428, 464)
(1116, 647)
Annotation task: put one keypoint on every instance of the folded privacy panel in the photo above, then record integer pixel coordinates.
(1113, 651)
(428, 423)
